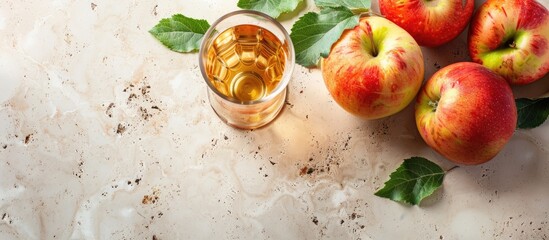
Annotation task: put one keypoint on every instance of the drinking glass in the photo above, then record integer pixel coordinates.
(247, 59)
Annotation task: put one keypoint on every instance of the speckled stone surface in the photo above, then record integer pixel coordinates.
(106, 134)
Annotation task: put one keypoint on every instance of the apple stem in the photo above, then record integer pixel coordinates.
(434, 105)
(374, 47)
(511, 43)
(452, 168)
(371, 39)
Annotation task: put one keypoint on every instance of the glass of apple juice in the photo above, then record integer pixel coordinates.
(247, 59)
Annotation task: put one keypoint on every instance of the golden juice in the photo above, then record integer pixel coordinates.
(246, 62)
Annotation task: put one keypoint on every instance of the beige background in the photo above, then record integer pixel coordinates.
(83, 158)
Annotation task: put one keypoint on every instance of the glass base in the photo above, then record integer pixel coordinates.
(247, 116)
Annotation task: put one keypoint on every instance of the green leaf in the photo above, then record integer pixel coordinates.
(351, 4)
(313, 34)
(272, 8)
(415, 179)
(180, 33)
(532, 112)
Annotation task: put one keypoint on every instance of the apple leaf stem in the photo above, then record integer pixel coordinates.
(452, 168)
(361, 11)
(371, 12)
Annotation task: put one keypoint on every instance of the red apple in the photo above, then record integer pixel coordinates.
(375, 69)
(431, 22)
(511, 37)
(466, 112)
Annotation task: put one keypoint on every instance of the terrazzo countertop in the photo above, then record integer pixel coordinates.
(106, 134)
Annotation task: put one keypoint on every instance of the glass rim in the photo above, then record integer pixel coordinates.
(286, 75)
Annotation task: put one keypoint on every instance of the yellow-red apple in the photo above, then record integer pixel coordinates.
(511, 37)
(375, 69)
(466, 112)
(431, 22)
